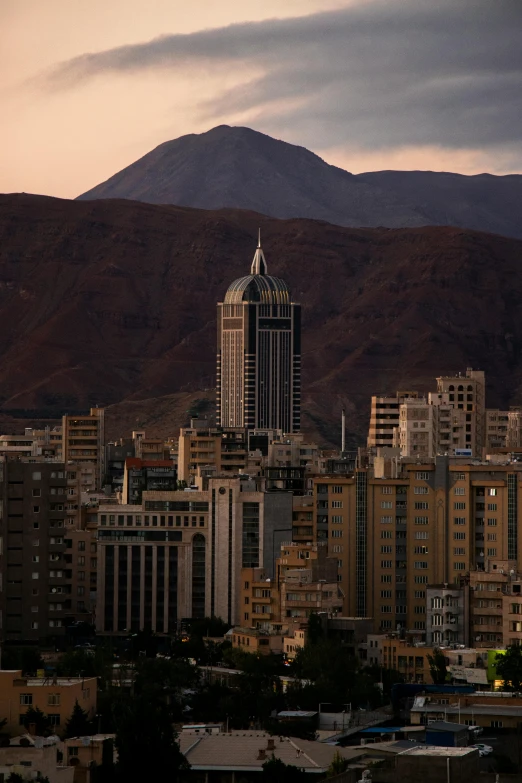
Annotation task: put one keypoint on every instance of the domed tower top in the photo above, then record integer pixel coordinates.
(258, 286)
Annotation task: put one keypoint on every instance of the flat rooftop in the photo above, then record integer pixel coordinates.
(437, 751)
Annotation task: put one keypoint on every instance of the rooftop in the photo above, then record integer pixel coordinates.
(246, 751)
(432, 750)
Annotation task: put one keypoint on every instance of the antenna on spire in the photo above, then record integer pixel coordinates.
(259, 262)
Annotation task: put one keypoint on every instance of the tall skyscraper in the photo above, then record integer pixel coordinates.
(259, 353)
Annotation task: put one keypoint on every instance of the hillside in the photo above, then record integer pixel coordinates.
(105, 301)
(242, 168)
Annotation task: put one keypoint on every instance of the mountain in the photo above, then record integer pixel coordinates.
(113, 303)
(244, 169)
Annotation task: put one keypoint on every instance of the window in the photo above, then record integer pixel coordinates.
(492, 491)
(420, 564)
(459, 536)
(459, 506)
(73, 751)
(386, 578)
(459, 520)
(386, 609)
(420, 490)
(459, 491)
(34, 626)
(422, 476)
(337, 503)
(247, 585)
(421, 504)
(492, 522)
(386, 563)
(421, 534)
(419, 609)
(386, 593)
(337, 548)
(34, 608)
(386, 550)
(337, 533)
(81, 546)
(36, 494)
(337, 520)
(54, 719)
(81, 590)
(81, 575)
(459, 566)
(419, 594)
(420, 580)
(420, 550)
(421, 520)
(460, 477)
(55, 623)
(81, 560)
(386, 520)
(459, 550)
(492, 552)
(53, 699)
(37, 476)
(26, 699)
(386, 504)
(492, 506)
(337, 489)
(496, 724)
(386, 534)
(419, 625)
(35, 575)
(386, 490)
(492, 536)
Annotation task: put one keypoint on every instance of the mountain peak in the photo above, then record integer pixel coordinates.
(239, 167)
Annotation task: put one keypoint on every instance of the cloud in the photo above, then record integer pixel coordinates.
(379, 75)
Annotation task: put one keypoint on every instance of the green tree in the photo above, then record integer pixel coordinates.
(509, 668)
(339, 764)
(144, 731)
(438, 670)
(276, 771)
(315, 628)
(35, 716)
(78, 724)
(14, 777)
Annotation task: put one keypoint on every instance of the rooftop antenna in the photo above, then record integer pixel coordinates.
(343, 431)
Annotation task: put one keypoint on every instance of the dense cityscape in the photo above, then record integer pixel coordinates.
(247, 605)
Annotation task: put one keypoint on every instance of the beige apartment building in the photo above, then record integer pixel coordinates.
(431, 524)
(468, 393)
(54, 696)
(201, 446)
(83, 442)
(384, 418)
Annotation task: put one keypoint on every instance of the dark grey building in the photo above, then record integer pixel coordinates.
(259, 353)
(35, 590)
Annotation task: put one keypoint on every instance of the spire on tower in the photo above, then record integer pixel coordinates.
(259, 262)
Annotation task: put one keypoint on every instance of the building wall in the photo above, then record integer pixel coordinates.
(35, 577)
(83, 440)
(55, 697)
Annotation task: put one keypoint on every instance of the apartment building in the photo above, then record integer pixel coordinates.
(407, 657)
(496, 430)
(303, 519)
(468, 393)
(54, 696)
(36, 581)
(447, 615)
(431, 524)
(384, 418)
(83, 441)
(141, 475)
(201, 446)
(305, 582)
(180, 554)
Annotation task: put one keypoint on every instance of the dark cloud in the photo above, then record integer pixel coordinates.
(379, 74)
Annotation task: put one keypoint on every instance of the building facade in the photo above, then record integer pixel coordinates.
(259, 353)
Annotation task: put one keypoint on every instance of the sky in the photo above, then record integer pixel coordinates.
(89, 86)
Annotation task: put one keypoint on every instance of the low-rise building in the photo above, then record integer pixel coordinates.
(447, 615)
(487, 709)
(54, 696)
(34, 758)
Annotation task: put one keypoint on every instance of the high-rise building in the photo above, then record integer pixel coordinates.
(430, 523)
(259, 353)
(83, 441)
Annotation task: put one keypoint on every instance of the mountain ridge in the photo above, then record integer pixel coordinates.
(240, 168)
(110, 301)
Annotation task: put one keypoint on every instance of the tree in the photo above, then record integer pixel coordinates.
(509, 668)
(315, 628)
(438, 670)
(276, 771)
(78, 724)
(339, 764)
(35, 716)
